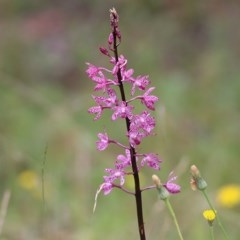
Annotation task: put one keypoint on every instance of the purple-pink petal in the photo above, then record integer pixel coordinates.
(141, 82)
(96, 110)
(103, 142)
(143, 121)
(172, 187)
(152, 161)
(122, 111)
(92, 70)
(135, 137)
(114, 174)
(149, 100)
(107, 187)
(123, 160)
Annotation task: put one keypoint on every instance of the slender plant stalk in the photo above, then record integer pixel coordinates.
(3, 208)
(217, 217)
(138, 192)
(211, 233)
(174, 218)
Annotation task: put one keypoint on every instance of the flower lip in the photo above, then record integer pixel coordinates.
(103, 142)
(170, 186)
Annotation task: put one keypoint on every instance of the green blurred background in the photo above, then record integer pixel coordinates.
(191, 51)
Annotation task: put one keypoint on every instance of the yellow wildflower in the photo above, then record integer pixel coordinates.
(28, 180)
(229, 195)
(209, 215)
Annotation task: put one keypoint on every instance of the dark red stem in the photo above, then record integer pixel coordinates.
(138, 192)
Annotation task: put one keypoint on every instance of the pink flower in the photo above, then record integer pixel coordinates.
(172, 187)
(115, 174)
(102, 144)
(122, 111)
(96, 110)
(126, 75)
(92, 70)
(152, 160)
(141, 82)
(135, 137)
(107, 102)
(106, 187)
(139, 125)
(112, 100)
(143, 121)
(123, 160)
(102, 83)
(147, 100)
(121, 64)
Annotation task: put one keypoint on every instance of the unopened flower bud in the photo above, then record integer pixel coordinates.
(201, 184)
(110, 39)
(156, 181)
(104, 51)
(197, 182)
(119, 35)
(114, 18)
(195, 172)
(162, 191)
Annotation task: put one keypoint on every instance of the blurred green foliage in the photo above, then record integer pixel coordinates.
(190, 50)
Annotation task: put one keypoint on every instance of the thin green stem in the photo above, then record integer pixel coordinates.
(174, 218)
(217, 216)
(211, 232)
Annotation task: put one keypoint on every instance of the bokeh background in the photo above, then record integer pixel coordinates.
(48, 160)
